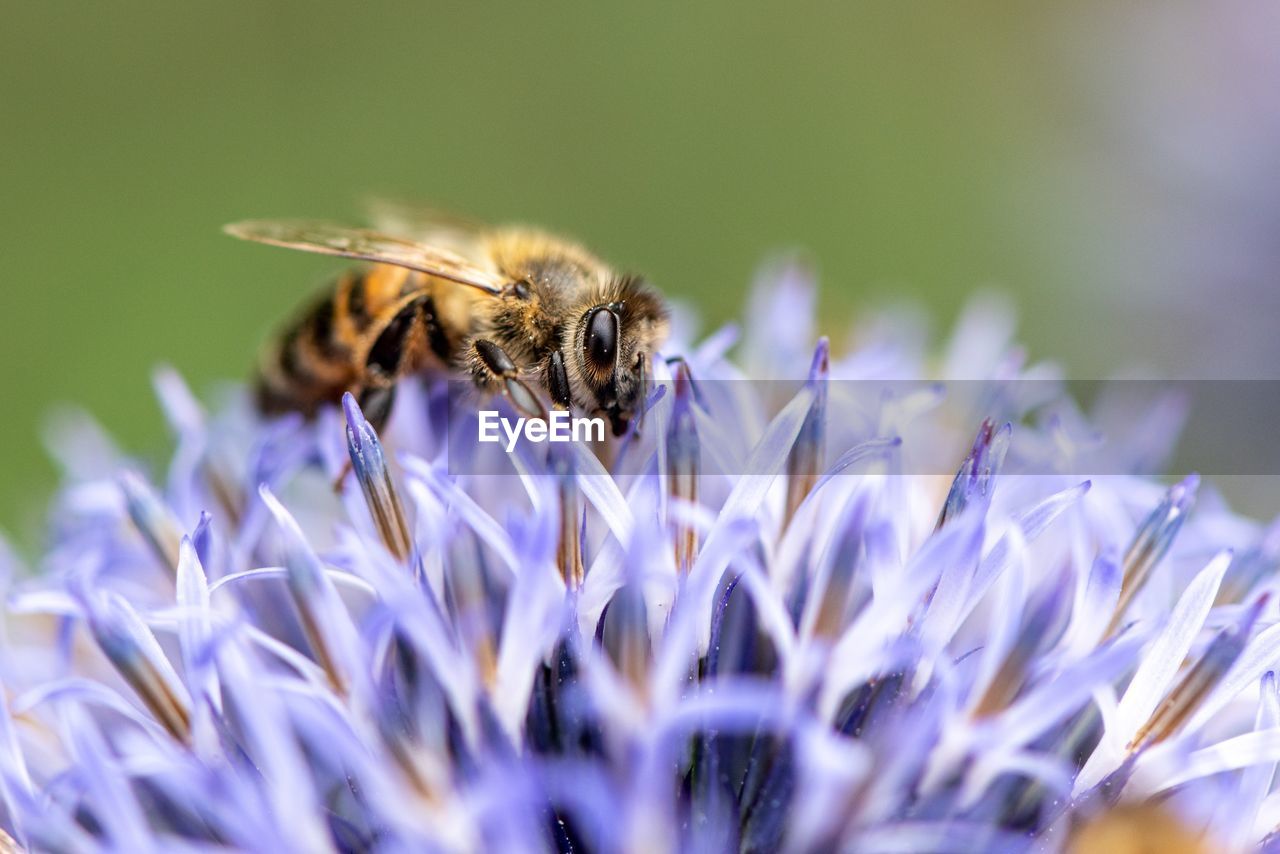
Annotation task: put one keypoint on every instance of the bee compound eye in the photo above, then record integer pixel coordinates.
(601, 341)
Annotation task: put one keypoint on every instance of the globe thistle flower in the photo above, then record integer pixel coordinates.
(840, 604)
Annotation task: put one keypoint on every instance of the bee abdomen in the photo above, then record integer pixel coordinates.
(373, 326)
(309, 364)
(365, 294)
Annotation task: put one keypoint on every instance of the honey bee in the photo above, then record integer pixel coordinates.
(518, 311)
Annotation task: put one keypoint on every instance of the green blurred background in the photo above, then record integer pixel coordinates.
(918, 152)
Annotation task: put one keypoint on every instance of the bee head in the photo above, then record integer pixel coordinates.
(605, 354)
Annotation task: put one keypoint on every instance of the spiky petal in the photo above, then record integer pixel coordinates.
(380, 493)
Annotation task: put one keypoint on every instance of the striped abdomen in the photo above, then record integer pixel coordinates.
(375, 325)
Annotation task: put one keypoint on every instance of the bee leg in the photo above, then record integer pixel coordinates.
(558, 382)
(340, 482)
(493, 368)
(375, 402)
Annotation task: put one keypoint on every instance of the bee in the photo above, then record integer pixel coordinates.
(520, 312)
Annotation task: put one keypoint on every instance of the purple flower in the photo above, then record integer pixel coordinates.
(803, 613)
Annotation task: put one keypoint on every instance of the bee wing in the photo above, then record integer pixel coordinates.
(368, 245)
(414, 219)
(429, 225)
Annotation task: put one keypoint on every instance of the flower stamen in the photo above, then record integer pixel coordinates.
(683, 460)
(135, 654)
(806, 454)
(153, 519)
(1187, 694)
(1151, 543)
